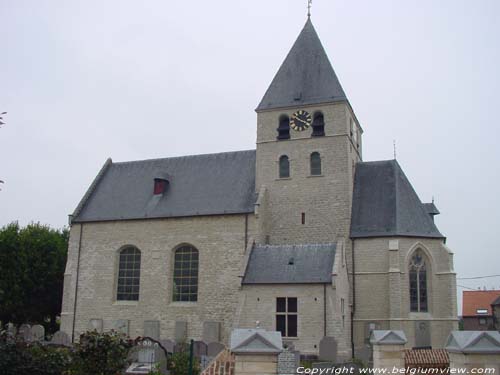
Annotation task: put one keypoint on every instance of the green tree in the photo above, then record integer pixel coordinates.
(32, 262)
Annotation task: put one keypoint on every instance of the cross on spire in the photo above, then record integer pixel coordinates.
(309, 4)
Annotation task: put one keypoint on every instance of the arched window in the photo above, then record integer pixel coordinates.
(315, 164)
(318, 125)
(284, 170)
(129, 274)
(284, 127)
(418, 282)
(185, 274)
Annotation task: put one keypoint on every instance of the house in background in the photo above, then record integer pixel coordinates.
(481, 310)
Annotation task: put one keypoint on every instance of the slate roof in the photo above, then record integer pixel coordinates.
(474, 342)
(385, 204)
(474, 300)
(388, 337)
(305, 77)
(269, 264)
(209, 184)
(258, 341)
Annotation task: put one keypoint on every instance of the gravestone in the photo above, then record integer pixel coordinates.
(180, 331)
(168, 345)
(95, 325)
(211, 331)
(11, 329)
(146, 355)
(199, 349)
(38, 332)
(25, 332)
(214, 348)
(288, 361)
(328, 349)
(121, 325)
(422, 334)
(60, 338)
(152, 329)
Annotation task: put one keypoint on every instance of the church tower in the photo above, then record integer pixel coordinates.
(308, 141)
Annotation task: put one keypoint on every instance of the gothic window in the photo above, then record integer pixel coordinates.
(284, 167)
(318, 125)
(286, 316)
(129, 274)
(315, 164)
(418, 283)
(185, 274)
(284, 128)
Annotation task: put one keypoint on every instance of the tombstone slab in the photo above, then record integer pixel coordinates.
(211, 331)
(25, 332)
(11, 329)
(214, 348)
(121, 325)
(180, 331)
(60, 338)
(328, 349)
(95, 325)
(38, 332)
(199, 349)
(152, 329)
(168, 345)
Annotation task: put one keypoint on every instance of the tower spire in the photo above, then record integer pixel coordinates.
(309, 4)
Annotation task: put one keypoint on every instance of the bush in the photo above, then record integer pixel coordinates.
(100, 354)
(178, 363)
(19, 357)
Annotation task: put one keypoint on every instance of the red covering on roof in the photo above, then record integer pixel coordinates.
(427, 358)
(474, 300)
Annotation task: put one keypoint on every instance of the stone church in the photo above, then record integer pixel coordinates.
(299, 235)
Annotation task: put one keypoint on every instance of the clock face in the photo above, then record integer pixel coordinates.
(300, 121)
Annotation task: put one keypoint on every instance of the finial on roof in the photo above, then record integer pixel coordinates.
(309, 4)
(394, 146)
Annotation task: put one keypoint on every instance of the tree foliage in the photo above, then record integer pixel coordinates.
(32, 262)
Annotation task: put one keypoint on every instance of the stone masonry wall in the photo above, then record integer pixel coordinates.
(382, 288)
(219, 240)
(325, 199)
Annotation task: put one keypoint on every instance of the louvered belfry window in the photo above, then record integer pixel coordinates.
(418, 283)
(129, 274)
(186, 274)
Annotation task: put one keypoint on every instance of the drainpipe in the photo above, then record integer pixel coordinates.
(324, 309)
(246, 233)
(76, 283)
(353, 298)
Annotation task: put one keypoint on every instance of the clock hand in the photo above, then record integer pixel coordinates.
(305, 122)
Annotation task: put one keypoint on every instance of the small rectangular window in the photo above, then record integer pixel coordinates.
(286, 316)
(303, 218)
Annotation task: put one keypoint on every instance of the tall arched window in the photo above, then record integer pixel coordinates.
(185, 274)
(418, 282)
(318, 125)
(283, 128)
(129, 274)
(315, 164)
(284, 168)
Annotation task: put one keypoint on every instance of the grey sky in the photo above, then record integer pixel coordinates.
(87, 80)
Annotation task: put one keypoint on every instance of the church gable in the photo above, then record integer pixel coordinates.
(196, 185)
(385, 204)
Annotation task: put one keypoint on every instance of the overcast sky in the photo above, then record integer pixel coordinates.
(86, 80)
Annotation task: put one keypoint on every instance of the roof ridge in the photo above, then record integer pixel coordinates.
(181, 157)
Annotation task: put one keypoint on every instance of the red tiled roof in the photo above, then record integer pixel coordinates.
(478, 299)
(427, 357)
